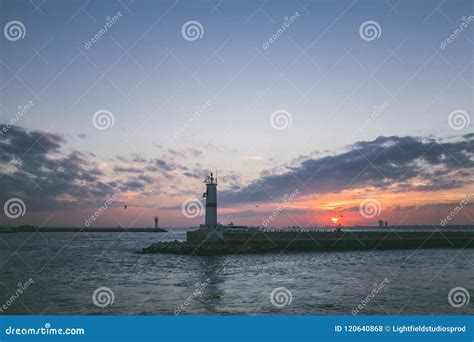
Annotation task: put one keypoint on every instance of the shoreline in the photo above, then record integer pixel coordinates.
(80, 229)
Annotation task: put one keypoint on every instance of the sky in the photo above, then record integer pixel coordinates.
(310, 112)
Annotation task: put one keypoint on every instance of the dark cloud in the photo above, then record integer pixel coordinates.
(146, 179)
(137, 158)
(264, 214)
(196, 173)
(192, 175)
(134, 185)
(16, 141)
(134, 157)
(33, 169)
(130, 169)
(381, 163)
(448, 206)
(161, 165)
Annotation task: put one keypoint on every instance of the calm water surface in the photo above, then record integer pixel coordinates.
(67, 267)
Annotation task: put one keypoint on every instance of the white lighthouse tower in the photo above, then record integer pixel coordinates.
(210, 231)
(211, 201)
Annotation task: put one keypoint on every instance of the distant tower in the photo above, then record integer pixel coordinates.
(211, 201)
(156, 222)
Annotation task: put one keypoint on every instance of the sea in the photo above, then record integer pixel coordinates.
(79, 273)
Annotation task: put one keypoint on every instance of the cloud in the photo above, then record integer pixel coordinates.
(34, 169)
(31, 146)
(134, 157)
(386, 162)
(122, 169)
(161, 165)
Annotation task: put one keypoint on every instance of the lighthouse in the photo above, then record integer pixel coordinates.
(211, 201)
